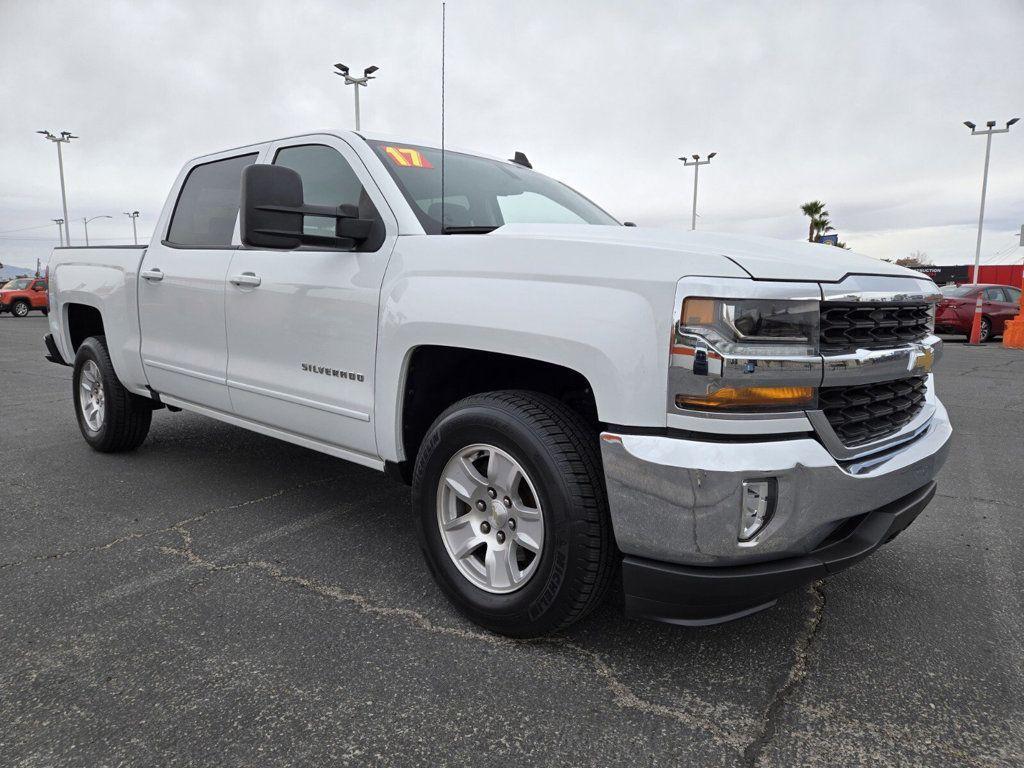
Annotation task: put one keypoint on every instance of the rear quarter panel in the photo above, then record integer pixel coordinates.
(103, 278)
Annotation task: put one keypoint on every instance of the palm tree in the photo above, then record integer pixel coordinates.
(815, 210)
(821, 224)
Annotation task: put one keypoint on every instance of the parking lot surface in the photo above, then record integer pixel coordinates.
(221, 598)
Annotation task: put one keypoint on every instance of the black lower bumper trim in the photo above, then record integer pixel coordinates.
(681, 594)
(52, 353)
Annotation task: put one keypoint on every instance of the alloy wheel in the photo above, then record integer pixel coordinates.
(490, 518)
(90, 396)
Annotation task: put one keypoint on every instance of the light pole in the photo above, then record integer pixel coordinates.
(64, 138)
(85, 223)
(60, 230)
(991, 125)
(133, 215)
(696, 162)
(356, 81)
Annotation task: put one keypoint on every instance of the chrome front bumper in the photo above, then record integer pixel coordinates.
(678, 500)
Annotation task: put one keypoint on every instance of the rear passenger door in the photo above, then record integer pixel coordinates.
(302, 324)
(181, 284)
(1000, 307)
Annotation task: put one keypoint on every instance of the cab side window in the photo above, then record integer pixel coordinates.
(328, 179)
(207, 207)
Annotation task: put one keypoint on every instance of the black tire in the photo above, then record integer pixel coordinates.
(46, 312)
(20, 308)
(126, 417)
(559, 451)
(986, 330)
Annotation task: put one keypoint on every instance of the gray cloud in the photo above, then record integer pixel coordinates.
(860, 104)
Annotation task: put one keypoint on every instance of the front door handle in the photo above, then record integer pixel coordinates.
(249, 279)
(154, 274)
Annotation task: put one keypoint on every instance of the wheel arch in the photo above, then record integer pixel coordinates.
(436, 376)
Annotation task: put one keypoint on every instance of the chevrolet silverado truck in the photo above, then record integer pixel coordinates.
(719, 418)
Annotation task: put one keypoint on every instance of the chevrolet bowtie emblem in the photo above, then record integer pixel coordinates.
(923, 360)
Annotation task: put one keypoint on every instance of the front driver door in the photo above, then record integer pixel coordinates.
(302, 324)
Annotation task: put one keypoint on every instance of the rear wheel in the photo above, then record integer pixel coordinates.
(110, 417)
(512, 515)
(986, 330)
(20, 308)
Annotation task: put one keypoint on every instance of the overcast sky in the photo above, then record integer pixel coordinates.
(858, 104)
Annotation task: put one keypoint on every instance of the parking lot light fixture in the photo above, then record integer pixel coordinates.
(991, 124)
(696, 162)
(133, 215)
(60, 230)
(357, 82)
(64, 138)
(85, 223)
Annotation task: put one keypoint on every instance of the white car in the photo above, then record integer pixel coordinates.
(722, 417)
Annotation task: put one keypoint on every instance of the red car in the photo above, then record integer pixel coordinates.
(955, 312)
(21, 295)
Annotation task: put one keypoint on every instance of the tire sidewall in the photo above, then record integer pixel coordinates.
(985, 323)
(535, 604)
(91, 349)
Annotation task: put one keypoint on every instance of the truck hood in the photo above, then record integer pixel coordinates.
(762, 258)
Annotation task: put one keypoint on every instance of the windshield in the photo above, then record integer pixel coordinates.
(18, 285)
(957, 291)
(481, 194)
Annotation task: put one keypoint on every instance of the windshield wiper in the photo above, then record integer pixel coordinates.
(474, 230)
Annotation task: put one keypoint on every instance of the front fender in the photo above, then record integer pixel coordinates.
(614, 333)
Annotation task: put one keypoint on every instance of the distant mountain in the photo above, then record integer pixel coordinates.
(9, 272)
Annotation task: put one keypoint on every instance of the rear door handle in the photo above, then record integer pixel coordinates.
(250, 279)
(153, 274)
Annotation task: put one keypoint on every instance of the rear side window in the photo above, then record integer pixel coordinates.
(1014, 294)
(207, 206)
(994, 294)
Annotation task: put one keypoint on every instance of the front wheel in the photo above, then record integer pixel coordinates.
(512, 513)
(20, 309)
(110, 417)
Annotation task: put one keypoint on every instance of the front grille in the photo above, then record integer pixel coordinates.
(870, 412)
(846, 326)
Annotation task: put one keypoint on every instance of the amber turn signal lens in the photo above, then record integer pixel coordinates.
(745, 397)
(698, 312)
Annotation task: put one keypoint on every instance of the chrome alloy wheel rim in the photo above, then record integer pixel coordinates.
(20, 310)
(90, 396)
(490, 518)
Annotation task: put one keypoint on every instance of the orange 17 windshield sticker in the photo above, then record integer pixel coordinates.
(407, 158)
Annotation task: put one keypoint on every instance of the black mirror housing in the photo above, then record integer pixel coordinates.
(273, 209)
(350, 226)
(267, 192)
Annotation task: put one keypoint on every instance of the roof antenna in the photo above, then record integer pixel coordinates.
(442, 115)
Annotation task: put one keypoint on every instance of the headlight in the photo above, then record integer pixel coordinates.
(745, 354)
(755, 327)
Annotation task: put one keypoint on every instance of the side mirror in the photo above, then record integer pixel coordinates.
(270, 209)
(273, 211)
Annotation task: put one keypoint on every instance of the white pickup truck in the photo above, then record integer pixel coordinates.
(723, 418)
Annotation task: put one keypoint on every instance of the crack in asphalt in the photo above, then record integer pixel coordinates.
(981, 499)
(797, 674)
(177, 527)
(698, 714)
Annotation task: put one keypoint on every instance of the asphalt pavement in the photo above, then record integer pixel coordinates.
(222, 598)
